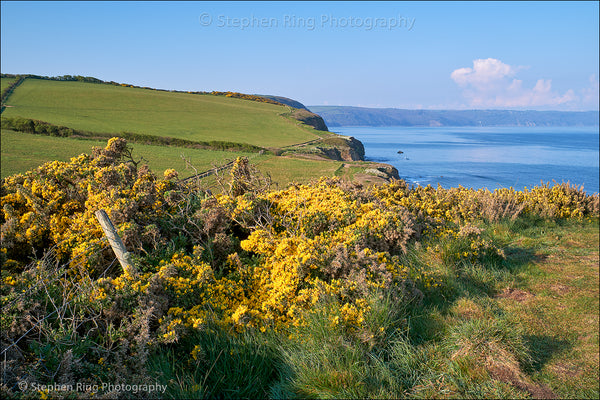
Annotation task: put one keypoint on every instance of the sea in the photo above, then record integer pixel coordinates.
(485, 157)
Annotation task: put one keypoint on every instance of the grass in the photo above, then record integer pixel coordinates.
(527, 326)
(521, 327)
(107, 108)
(218, 355)
(560, 315)
(284, 170)
(22, 152)
(5, 83)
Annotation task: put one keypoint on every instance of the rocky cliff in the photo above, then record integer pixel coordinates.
(343, 148)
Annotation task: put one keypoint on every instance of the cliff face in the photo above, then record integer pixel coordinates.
(384, 171)
(316, 122)
(377, 174)
(343, 148)
(356, 150)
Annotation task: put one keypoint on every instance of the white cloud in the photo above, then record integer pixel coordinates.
(491, 83)
(485, 73)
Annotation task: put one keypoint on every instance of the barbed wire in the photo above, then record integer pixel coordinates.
(55, 275)
(52, 253)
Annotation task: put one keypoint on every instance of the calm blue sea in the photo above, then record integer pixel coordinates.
(491, 157)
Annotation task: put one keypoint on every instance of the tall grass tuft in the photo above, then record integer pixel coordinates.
(218, 363)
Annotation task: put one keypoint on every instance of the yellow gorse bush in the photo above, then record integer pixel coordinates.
(462, 204)
(249, 257)
(55, 204)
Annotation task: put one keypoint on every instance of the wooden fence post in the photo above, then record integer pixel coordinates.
(116, 243)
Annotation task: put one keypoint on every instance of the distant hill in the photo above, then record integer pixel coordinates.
(360, 116)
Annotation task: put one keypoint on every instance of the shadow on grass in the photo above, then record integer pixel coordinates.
(481, 279)
(475, 281)
(543, 347)
(517, 257)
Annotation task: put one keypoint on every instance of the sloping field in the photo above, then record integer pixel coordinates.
(22, 152)
(114, 109)
(102, 108)
(5, 83)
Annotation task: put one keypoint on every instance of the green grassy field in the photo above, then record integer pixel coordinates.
(22, 152)
(108, 108)
(5, 82)
(284, 169)
(115, 109)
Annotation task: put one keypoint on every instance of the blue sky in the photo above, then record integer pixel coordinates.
(516, 55)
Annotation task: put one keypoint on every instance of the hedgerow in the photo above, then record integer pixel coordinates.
(33, 126)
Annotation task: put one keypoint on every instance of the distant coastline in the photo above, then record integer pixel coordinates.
(361, 116)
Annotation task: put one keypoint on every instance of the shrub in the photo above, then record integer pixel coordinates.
(330, 255)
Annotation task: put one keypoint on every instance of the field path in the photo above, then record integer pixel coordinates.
(303, 144)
